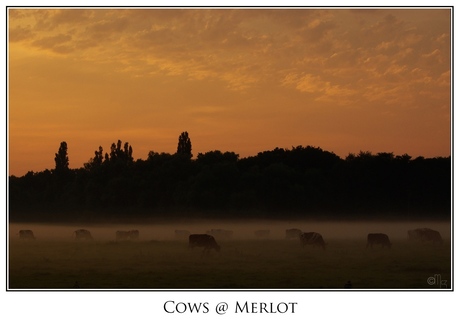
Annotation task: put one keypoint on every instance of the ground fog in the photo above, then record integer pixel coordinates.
(241, 229)
(55, 260)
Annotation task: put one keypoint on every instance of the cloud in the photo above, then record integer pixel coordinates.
(306, 83)
(323, 90)
(326, 52)
(20, 33)
(60, 43)
(241, 47)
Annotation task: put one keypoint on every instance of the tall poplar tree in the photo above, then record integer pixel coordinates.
(184, 147)
(61, 158)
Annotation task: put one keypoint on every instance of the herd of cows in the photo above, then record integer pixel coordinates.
(208, 241)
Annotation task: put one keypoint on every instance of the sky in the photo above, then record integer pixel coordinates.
(239, 80)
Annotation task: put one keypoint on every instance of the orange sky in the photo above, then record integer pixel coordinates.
(243, 80)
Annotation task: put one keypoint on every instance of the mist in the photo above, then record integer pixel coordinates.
(241, 229)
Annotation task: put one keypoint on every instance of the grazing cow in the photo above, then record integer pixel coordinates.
(220, 233)
(203, 240)
(427, 234)
(181, 234)
(127, 235)
(264, 233)
(378, 238)
(121, 235)
(82, 234)
(414, 234)
(293, 233)
(312, 238)
(26, 235)
(133, 234)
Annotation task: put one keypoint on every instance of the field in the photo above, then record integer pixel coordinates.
(244, 262)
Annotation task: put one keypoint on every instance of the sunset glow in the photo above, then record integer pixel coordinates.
(240, 80)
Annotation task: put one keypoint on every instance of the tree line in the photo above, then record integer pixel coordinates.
(298, 182)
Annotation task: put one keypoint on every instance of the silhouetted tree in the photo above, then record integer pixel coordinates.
(96, 161)
(119, 155)
(184, 147)
(303, 180)
(61, 159)
(128, 151)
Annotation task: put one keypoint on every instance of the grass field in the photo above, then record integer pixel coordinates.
(241, 264)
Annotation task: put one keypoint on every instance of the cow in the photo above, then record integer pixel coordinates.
(181, 234)
(414, 234)
(293, 233)
(312, 238)
(378, 238)
(133, 234)
(220, 233)
(203, 240)
(264, 233)
(121, 235)
(82, 234)
(427, 234)
(26, 235)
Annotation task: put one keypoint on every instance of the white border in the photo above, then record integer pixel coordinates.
(148, 306)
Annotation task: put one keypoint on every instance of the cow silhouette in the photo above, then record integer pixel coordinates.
(26, 234)
(82, 234)
(203, 240)
(378, 239)
(312, 238)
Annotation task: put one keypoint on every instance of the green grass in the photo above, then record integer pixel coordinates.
(241, 264)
